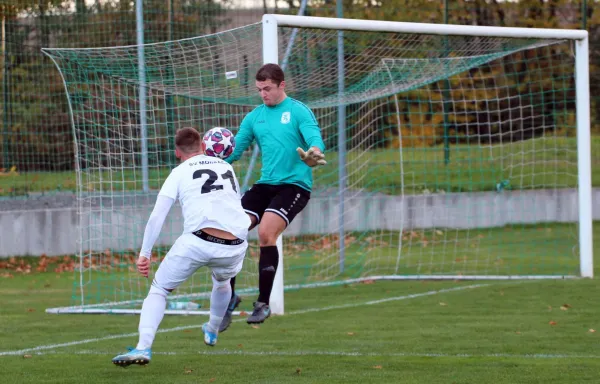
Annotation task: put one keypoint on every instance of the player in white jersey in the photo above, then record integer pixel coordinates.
(215, 229)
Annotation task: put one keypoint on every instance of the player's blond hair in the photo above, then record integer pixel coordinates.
(187, 140)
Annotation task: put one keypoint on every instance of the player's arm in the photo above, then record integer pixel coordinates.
(243, 138)
(164, 202)
(236, 184)
(311, 133)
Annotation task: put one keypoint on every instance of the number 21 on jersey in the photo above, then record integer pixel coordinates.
(209, 185)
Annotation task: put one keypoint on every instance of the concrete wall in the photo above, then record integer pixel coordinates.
(121, 226)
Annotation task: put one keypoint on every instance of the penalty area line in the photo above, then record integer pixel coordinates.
(298, 312)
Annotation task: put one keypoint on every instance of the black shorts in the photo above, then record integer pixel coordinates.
(285, 200)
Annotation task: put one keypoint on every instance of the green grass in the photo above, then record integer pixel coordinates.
(531, 164)
(419, 340)
(500, 332)
(544, 249)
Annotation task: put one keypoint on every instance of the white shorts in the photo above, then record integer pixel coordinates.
(190, 253)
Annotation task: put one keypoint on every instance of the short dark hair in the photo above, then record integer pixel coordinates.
(187, 140)
(271, 72)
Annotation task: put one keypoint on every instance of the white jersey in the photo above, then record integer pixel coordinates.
(209, 195)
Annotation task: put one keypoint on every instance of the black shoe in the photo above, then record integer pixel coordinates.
(260, 314)
(233, 304)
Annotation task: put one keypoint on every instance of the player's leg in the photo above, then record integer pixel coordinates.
(175, 268)
(226, 260)
(271, 227)
(235, 299)
(254, 202)
(219, 303)
(288, 202)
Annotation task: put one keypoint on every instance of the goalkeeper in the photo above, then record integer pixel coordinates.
(289, 138)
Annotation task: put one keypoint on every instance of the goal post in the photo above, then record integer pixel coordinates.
(513, 202)
(272, 22)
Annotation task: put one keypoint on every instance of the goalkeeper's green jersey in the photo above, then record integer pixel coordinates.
(278, 131)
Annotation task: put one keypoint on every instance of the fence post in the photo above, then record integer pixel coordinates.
(446, 96)
(584, 11)
(341, 138)
(5, 101)
(139, 16)
(169, 97)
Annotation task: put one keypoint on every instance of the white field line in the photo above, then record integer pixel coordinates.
(340, 353)
(299, 312)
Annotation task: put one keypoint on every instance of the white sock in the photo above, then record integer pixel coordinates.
(152, 314)
(219, 300)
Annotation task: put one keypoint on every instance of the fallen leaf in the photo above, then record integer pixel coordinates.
(212, 379)
(591, 330)
(443, 304)
(350, 333)
(298, 371)
(552, 322)
(518, 333)
(378, 367)
(243, 313)
(240, 345)
(27, 356)
(30, 309)
(189, 370)
(255, 327)
(563, 308)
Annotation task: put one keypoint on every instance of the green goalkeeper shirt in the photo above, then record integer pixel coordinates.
(278, 131)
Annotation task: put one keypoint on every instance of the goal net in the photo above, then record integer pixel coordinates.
(452, 151)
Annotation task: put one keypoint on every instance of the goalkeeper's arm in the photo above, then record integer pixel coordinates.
(311, 133)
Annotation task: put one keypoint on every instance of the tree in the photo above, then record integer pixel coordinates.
(519, 73)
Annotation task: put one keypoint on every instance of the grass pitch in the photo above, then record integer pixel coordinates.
(374, 332)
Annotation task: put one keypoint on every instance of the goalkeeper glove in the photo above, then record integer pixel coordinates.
(311, 157)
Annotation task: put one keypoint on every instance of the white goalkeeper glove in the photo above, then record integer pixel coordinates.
(311, 157)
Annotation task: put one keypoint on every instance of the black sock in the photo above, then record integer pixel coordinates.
(232, 283)
(267, 266)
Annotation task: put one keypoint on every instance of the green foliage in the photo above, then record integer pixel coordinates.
(35, 126)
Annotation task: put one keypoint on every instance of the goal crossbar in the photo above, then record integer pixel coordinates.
(421, 28)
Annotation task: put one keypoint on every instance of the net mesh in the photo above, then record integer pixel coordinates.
(460, 158)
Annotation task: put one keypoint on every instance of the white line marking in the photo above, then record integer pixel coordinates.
(299, 312)
(339, 353)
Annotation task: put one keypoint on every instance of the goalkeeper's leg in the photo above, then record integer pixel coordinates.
(283, 208)
(272, 225)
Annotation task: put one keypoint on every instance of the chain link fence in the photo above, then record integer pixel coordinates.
(36, 138)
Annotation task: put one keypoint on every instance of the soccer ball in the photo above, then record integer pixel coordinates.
(219, 142)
